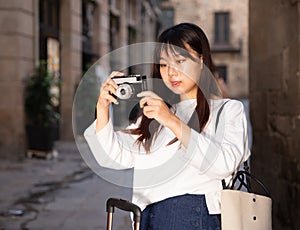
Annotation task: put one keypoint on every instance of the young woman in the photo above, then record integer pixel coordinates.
(180, 150)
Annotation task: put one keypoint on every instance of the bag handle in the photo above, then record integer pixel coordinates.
(241, 175)
(124, 205)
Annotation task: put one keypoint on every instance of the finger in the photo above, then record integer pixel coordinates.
(116, 74)
(108, 92)
(113, 99)
(148, 94)
(113, 83)
(148, 112)
(146, 101)
(143, 102)
(113, 74)
(109, 97)
(148, 109)
(110, 81)
(109, 86)
(110, 89)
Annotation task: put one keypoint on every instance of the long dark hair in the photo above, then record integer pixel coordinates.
(174, 40)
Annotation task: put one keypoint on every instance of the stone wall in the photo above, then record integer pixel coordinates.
(16, 63)
(275, 104)
(70, 29)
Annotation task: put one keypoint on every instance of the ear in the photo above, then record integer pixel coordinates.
(201, 61)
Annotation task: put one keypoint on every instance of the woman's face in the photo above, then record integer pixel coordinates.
(180, 73)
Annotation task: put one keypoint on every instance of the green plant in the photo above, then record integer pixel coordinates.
(40, 99)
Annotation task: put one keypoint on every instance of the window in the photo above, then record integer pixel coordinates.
(114, 38)
(49, 44)
(131, 10)
(222, 28)
(131, 15)
(88, 54)
(48, 24)
(167, 16)
(115, 4)
(222, 71)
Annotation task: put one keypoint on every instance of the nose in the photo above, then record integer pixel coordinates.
(172, 70)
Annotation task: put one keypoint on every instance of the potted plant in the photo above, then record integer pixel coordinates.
(41, 109)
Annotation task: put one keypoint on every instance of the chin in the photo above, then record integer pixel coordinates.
(177, 91)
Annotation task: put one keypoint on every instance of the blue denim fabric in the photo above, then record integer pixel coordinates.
(179, 213)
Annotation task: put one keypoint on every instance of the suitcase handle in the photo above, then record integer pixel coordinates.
(124, 205)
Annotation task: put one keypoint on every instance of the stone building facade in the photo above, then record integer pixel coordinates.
(275, 104)
(226, 26)
(83, 31)
(265, 66)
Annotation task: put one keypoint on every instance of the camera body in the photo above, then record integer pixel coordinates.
(129, 86)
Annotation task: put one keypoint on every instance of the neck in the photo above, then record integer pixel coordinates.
(184, 97)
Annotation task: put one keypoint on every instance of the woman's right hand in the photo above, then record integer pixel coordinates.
(107, 91)
(106, 97)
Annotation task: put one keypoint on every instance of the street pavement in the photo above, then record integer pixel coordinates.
(57, 193)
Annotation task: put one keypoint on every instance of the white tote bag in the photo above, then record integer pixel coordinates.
(245, 210)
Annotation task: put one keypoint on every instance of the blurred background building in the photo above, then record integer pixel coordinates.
(70, 35)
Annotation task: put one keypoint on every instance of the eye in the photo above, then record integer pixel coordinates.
(162, 65)
(179, 61)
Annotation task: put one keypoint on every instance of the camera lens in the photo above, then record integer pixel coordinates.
(124, 91)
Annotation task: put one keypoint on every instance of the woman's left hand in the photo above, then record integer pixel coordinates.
(154, 107)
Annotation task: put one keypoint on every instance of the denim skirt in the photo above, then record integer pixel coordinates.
(179, 213)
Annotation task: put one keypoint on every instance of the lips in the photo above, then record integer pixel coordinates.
(175, 83)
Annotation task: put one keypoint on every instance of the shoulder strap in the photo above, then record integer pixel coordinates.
(218, 115)
(246, 166)
(216, 126)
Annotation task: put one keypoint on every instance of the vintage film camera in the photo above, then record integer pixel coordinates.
(129, 86)
(128, 108)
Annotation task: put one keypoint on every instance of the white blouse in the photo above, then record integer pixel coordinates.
(172, 170)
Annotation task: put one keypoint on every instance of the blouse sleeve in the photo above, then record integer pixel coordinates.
(218, 152)
(108, 148)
